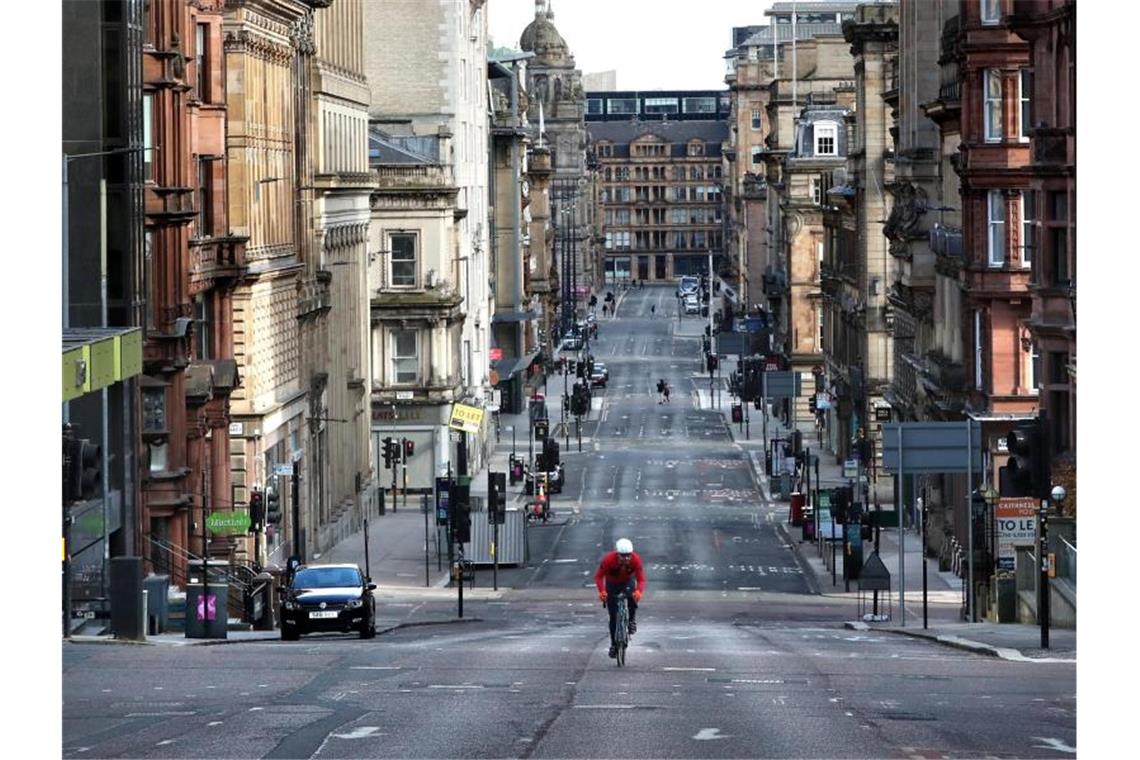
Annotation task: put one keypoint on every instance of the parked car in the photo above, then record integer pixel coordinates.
(600, 376)
(688, 284)
(692, 305)
(328, 598)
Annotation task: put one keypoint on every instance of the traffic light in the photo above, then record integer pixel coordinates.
(256, 511)
(409, 448)
(84, 471)
(272, 506)
(712, 363)
(460, 502)
(812, 405)
(570, 366)
(497, 497)
(390, 454)
(1027, 471)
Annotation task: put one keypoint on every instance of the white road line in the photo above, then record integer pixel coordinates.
(689, 670)
(604, 707)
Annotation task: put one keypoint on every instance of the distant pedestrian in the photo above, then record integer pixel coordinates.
(666, 393)
(661, 391)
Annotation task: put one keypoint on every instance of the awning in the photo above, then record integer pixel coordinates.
(513, 316)
(509, 365)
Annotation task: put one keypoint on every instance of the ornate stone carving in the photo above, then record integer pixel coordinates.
(902, 224)
(301, 35)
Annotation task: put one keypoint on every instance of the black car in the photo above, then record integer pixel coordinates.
(328, 598)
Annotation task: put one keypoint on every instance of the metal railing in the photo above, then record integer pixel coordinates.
(1067, 562)
(240, 578)
(1027, 570)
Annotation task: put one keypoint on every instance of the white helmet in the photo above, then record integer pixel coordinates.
(624, 546)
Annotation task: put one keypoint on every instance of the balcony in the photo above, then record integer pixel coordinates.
(215, 259)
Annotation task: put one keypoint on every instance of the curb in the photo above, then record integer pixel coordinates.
(1005, 653)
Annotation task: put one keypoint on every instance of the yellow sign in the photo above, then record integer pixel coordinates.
(466, 418)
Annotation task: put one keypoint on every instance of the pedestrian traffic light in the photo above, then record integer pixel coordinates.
(409, 448)
(712, 363)
(85, 469)
(569, 365)
(256, 511)
(272, 505)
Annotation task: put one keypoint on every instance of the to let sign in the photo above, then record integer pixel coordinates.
(1015, 521)
(466, 418)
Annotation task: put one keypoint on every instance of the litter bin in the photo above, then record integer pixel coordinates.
(1007, 599)
(262, 602)
(808, 525)
(797, 509)
(206, 616)
(157, 603)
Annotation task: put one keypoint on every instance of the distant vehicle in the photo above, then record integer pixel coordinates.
(689, 284)
(571, 343)
(554, 479)
(692, 305)
(328, 598)
(600, 376)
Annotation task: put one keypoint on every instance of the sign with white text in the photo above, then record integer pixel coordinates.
(1016, 525)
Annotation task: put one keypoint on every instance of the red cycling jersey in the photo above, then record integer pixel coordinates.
(612, 569)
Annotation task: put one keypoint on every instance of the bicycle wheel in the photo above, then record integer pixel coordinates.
(621, 629)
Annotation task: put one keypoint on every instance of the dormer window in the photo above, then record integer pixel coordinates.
(696, 148)
(826, 138)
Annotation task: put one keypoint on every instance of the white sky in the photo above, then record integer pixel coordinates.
(652, 44)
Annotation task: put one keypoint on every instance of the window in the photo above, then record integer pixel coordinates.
(826, 135)
(756, 118)
(621, 105)
(202, 324)
(660, 105)
(202, 35)
(816, 191)
(403, 248)
(593, 106)
(696, 148)
(1058, 231)
(154, 410)
(1028, 219)
(1034, 376)
(205, 199)
(148, 137)
(978, 351)
(1025, 95)
(699, 105)
(605, 150)
(996, 217)
(404, 357)
(991, 11)
(679, 215)
(991, 79)
(819, 322)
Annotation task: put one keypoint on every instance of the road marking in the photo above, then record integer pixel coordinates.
(690, 670)
(359, 732)
(159, 714)
(560, 561)
(454, 686)
(1054, 744)
(710, 733)
(604, 707)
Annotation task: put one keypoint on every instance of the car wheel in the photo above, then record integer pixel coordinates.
(288, 634)
(367, 629)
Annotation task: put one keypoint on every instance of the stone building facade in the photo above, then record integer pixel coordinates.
(429, 88)
(333, 308)
(556, 114)
(268, 45)
(660, 168)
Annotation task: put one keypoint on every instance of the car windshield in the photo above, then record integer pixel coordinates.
(326, 577)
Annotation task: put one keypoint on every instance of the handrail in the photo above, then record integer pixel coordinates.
(239, 577)
(1067, 562)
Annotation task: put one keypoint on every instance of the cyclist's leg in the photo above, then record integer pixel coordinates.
(611, 607)
(632, 605)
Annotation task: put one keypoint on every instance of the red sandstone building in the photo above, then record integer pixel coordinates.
(1050, 27)
(191, 268)
(998, 215)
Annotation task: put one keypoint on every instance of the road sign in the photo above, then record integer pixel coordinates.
(230, 523)
(784, 384)
(283, 469)
(932, 446)
(495, 354)
(874, 575)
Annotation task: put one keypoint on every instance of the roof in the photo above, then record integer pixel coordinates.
(784, 33)
(713, 133)
(384, 148)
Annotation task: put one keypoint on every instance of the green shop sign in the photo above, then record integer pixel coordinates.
(228, 522)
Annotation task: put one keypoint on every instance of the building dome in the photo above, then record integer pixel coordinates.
(541, 38)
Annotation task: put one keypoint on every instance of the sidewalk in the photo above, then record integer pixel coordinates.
(945, 591)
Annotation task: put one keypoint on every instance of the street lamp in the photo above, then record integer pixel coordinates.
(991, 496)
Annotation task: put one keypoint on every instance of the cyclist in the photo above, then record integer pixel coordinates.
(620, 570)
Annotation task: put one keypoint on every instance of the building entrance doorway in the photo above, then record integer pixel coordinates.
(659, 264)
(643, 267)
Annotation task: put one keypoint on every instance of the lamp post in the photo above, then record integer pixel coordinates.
(1057, 494)
(991, 497)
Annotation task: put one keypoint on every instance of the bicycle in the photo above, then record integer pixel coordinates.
(621, 627)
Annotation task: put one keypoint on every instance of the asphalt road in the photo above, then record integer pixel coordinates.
(734, 656)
